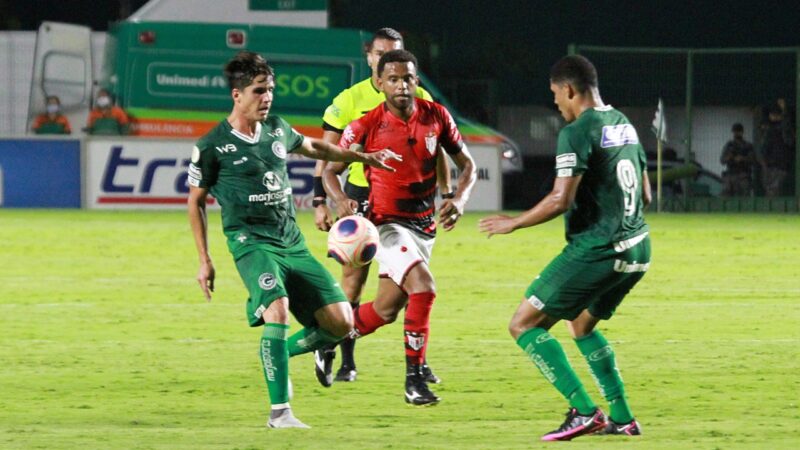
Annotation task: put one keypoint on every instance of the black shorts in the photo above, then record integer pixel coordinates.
(360, 195)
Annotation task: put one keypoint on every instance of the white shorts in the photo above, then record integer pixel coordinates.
(401, 249)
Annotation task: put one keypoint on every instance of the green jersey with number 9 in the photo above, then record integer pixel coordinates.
(603, 147)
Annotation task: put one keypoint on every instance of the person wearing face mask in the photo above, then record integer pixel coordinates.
(106, 118)
(51, 121)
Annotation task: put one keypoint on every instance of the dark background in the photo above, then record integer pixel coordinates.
(503, 49)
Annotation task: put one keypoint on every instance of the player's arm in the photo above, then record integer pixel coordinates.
(199, 223)
(647, 192)
(322, 215)
(453, 208)
(551, 206)
(345, 206)
(319, 149)
(443, 178)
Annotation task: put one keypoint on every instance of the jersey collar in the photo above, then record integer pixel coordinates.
(250, 140)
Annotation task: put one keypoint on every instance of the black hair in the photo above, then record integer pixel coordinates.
(575, 70)
(243, 68)
(737, 127)
(390, 34)
(401, 56)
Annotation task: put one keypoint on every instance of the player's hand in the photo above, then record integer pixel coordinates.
(380, 158)
(346, 208)
(323, 218)
(499, 224)
(450, 211)
(205, 276)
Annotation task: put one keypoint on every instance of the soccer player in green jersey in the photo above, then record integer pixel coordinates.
(351, 104)
(242, 163)
(601, 187)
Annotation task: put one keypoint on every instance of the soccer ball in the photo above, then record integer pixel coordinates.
(353, 241)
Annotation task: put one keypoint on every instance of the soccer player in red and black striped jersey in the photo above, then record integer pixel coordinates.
(402, 206)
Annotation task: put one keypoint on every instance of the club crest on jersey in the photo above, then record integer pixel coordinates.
(271, 181)
(618, 135)
(279, 149)
(267, 281)
(430, 142)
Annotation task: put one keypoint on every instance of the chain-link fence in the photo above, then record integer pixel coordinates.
(706, 92)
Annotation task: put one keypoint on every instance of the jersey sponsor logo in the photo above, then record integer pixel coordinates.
(226, 149)
(566, 160)
(430, 142)
(618, 135)
(260, 311)
(535, 302)
(276, 134)
(267, 281)
(334, 111)
(195, 154)
(626, 267)
(564, 173)
(271, 198)
(271, 181)
(279, 149)
(240, 161)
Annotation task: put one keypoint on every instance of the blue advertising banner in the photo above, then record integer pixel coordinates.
(40, 173)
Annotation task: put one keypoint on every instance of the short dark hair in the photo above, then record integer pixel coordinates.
(737, 127)
(243, 68)
(390, 34)
(401, 56)
(575, 70)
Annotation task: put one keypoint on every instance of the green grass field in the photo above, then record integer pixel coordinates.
(106, 342)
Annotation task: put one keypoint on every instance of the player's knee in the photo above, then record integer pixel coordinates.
(341, 328)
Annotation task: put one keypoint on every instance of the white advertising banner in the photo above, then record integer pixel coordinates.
(143, 173)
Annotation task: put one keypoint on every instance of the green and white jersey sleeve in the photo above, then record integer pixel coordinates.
(573, 152)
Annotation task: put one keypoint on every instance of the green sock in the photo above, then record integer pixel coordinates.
(275, 361)
(603, 366)
(548, 355)
(310, 339)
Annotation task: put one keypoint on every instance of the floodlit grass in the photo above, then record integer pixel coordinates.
(106, 342)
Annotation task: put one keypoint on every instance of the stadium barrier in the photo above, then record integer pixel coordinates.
(40, 173)
(150, 173)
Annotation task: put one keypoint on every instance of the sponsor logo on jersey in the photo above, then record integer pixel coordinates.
(566, 160)
(267, 281)
(276, 134)
(271, 181)
(535, 302)
(195, 154)
(430, 142)
(279, 149)
(564, 173)
(226, 149)
(240, 161)
(618, 135)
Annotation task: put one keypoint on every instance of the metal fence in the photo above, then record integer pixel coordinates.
(706, 91)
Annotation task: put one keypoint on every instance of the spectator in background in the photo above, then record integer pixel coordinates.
(106, 118)
(739, 159)
(775, 151)
(51, 121)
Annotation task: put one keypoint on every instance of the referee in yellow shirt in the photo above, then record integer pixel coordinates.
(349, 105)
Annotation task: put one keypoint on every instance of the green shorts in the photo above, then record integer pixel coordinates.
(269, 275)
(576, 280)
